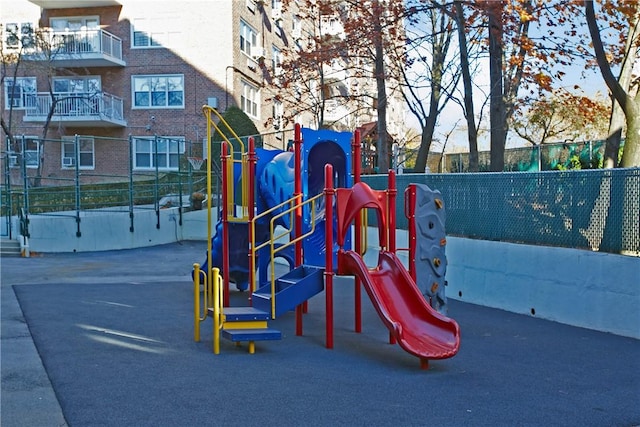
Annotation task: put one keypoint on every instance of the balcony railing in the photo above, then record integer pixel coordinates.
(77, 109)
(85, 48)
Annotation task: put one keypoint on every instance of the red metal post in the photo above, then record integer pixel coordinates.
(225, 224)
(357, 156)
(410, 213)
(328, 271)
(297, 192)
(391, 191)
(357, 165)
(391, 196)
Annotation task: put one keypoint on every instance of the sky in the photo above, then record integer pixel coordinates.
(590, 82)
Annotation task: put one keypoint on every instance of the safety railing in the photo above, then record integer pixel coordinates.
(294, 204)
(212, 300)
(85, 42)
(75, 105)
(242, 161)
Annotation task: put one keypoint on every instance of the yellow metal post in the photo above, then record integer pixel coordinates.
(196, 302)
(217, 302)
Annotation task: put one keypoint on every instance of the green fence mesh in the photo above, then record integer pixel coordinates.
(587, 209)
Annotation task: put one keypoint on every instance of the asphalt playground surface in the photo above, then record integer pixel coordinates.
(106, 339)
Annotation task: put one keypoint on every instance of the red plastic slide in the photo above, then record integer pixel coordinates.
(418, 328)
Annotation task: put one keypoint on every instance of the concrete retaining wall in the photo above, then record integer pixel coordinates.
(108, 230)
(588, 289)
(593, 290)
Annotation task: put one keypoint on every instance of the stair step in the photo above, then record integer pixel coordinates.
(292, 289)
(10, 248)
(244, 314)
(238, 335)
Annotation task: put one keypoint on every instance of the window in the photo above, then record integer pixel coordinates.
(296, 28)
(15, 34)
(154, 32)
(248, 38)
(159, 91)
(276, 61)
(78, 34)
(278, 111)
(85, 156)
(20, 95)
(32, 152)
(85, 85)
(25, 150)
(77, 96)
(249, 99)
(78, 23)
(168, 151)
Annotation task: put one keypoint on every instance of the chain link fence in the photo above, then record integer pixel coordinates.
(589, 209)
(66, 177)
(545, 157)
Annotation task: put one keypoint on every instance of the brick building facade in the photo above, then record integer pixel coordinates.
(130, 77)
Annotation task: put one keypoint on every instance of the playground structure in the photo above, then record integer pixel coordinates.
(303, 207)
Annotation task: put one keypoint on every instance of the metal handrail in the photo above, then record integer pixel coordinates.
(273, 237)
(212, 299)
(243, 161)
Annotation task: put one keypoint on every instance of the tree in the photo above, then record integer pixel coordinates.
(628, 101)
(518, 61)
(465, 68)
(36, 50)
(372, 31)
(330, 69)
(560, 116)
(11, 63)
(241, 125)
(427, 64)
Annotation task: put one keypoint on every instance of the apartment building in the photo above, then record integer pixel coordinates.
(130, 77)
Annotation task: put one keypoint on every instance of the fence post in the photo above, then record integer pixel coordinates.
(8, 203)
(179, 181)
(156, 189)
(76, 144)
(131, 184)
(25, 193)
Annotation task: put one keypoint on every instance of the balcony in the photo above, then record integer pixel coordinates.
(66, 4)
(84, 48)
(77, 109)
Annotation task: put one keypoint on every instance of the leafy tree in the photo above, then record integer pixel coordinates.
(427, 64)
(627, 99)
(368, 31)
(560, 116)
(241, 125)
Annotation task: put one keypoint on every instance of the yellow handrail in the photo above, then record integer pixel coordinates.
(243, 161)
(364, 224)
(273, 237)
(196, 302)
(210, 294)
(218, 309)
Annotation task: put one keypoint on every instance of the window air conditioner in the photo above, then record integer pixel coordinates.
(13, 160)
(68, 161)
(257, 53)
(296, 33)
(276, 14)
